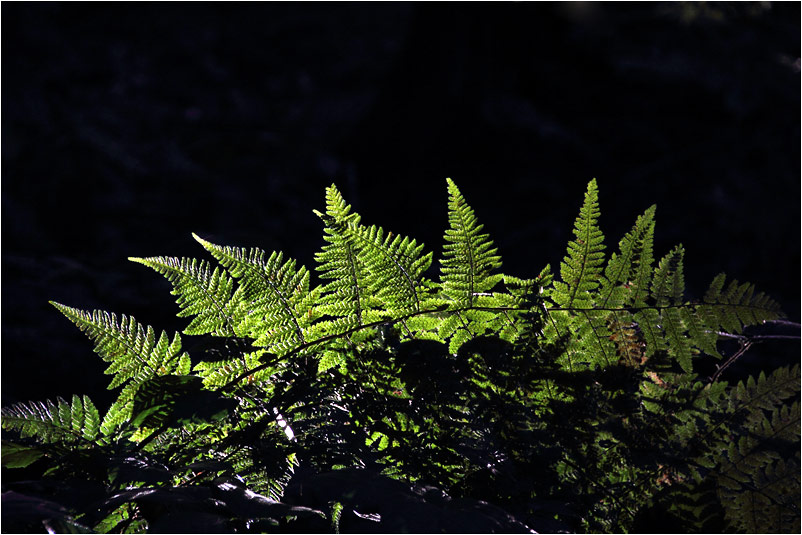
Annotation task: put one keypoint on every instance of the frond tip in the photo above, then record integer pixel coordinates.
(468, 255)
(581, 269)
(202, 292)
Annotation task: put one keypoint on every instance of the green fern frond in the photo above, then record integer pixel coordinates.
(132, 351)
(581, 269)
(628, 273)
(468, 255)
(58, 422)
(766, 392)
(467, 278)
(278, 305)
(202, 292)
(128, 346)
(346, 296)
(769, 503)
(668, 283)
(668, 288)
(395, 266)
(736, 307)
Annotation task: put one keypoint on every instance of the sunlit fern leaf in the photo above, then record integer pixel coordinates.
(593, 344)
(581, 269)
(668, 283)
(330, 359)
(201, 291)
(132, 351)
(128, 346)
(627, 274)
(702, 335)
(50, 422)
(346, 295)
(468, 254)
(276, 297)
(576, 292)
(395, 266)
(424, 327)
(122, 408)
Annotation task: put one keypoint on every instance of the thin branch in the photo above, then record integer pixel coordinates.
(758, 337)
(745, 345)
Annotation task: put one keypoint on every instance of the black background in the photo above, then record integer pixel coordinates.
(127, 127)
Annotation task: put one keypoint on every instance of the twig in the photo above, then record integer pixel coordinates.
(746, 343)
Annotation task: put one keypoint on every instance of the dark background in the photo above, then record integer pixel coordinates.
(127, 127)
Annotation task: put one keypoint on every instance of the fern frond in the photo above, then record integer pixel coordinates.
(50, 422)
(128, 346)
(770, 503)
(628, 273)
(468, 255)
(594, 341)
(736, 307)
(346, 296)
(395, 266)
(767, 391)
(758, 487)
(202, 292)
(581, 269)
(668, 288)
(132, 351)
(278, 305)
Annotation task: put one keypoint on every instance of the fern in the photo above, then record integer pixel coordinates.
(275, 295)
(347, 295)
(581, 269)
(51, 422)
(627, 274)
(468, 255)
(574, 400)
(202, 292)
(134, 355)
(395, 268)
